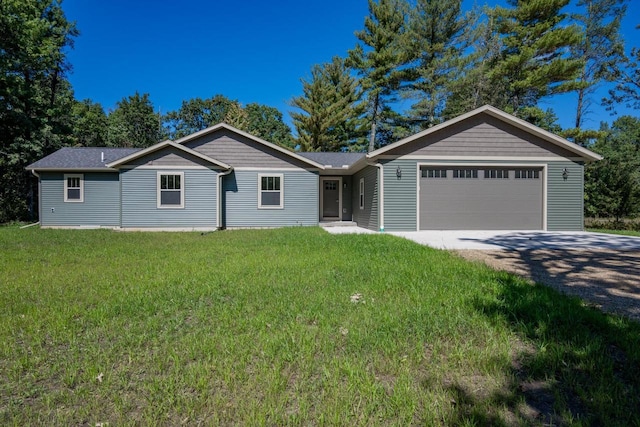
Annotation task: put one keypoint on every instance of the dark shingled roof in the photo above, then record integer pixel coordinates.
(336, 160)
(81, 158)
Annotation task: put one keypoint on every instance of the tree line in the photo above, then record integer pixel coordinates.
(428, 54)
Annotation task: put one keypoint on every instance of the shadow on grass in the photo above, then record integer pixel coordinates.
(576, 364)
(605, 277)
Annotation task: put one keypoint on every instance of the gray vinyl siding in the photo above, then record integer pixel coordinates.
(101, 205)
(400, 195)
(347, 191)
(565, 199)
(301, 205)
(139, 200)
(485, 136)
(367, 217)
(238, 151)
(169, 156)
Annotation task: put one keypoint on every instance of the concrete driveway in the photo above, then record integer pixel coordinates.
(520, 240)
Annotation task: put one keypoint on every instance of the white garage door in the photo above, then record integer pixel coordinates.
(481, 198)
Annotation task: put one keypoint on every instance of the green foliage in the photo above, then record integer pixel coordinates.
(535, 62)
(612, 185)
(627, 89)
(601, 48)
(473, 86)
(329, 119)
(134, 123)
(90, 124)
(377, 58)
(35, 97)
(197, 114)
(434, 47)
(267, 123)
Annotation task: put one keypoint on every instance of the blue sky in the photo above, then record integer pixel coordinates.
(252, 51)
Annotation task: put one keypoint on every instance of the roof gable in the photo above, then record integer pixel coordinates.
(198, 139)
(161, 146)
(521, 125)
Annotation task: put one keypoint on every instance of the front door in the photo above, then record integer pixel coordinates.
(330, 199)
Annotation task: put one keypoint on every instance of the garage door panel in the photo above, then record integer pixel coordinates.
(480, 203)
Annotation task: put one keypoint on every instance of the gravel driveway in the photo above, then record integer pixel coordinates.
(606, 278)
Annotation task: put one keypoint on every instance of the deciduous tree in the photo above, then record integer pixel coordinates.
(35, 97)
(134, 123)
(90, 124)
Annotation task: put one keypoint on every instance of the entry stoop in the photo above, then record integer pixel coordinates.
(328, 224)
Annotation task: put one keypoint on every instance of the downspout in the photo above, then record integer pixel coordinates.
(380, 194)
(39, 195)
(218, 198)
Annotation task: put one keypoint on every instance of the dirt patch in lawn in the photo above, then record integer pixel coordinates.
(607, 279)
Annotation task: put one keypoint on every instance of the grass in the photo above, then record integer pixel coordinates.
(258, 327)
(622, 232)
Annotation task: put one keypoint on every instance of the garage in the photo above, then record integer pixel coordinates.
(499, 197)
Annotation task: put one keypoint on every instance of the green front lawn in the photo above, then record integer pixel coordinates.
(623, 232)
(259, 327)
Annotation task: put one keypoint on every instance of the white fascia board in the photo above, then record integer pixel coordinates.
(251, 137)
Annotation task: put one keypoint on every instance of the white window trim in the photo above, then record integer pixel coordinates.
(361, 194)
(158, 191)
(278, 175)
(66, 193)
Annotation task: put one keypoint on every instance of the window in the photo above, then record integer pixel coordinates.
(171, 190)
(361, 193)
(434, 173)
(74, 188)
(527, 174)
(496, 174)
(270, 191)
(465, 173)
(330, 185)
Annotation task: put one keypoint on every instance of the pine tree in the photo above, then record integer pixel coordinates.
(377, 59)
(601, 48)
(236, 116)
(434, 48)
(473, 86)
(627, 78)
(330, 109)
(535, 61)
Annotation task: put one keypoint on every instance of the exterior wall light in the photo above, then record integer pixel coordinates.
(399, 172)
(565, 174)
